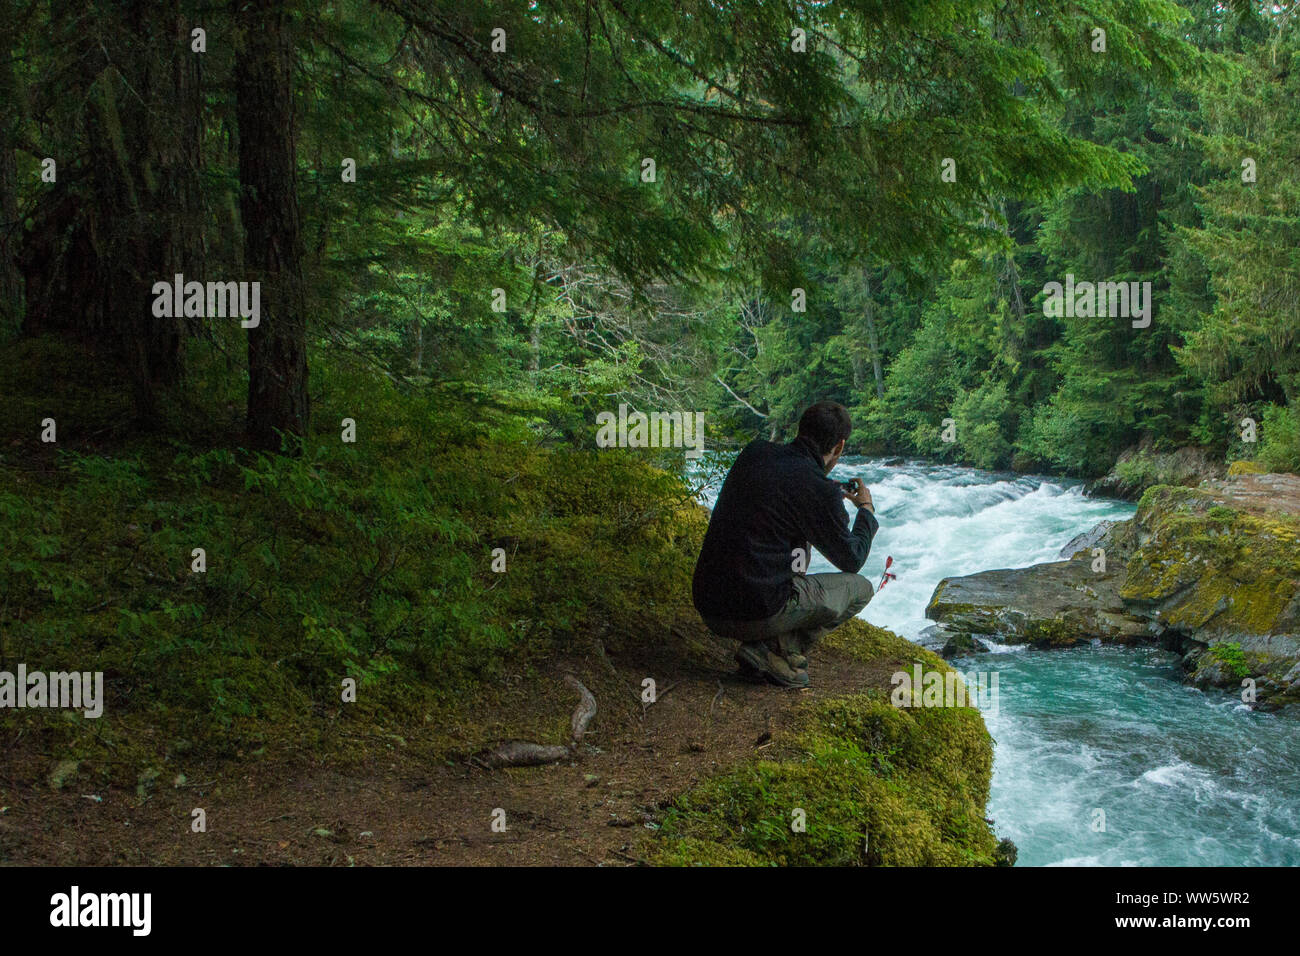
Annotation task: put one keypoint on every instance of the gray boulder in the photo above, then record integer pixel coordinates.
(1059, 604)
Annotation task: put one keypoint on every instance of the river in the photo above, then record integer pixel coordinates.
(1102, 756)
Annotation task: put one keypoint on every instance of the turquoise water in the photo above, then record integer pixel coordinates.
(1183, 777)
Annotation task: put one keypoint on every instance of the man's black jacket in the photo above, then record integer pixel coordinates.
(775, 500)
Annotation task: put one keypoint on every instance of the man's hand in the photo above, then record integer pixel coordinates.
(860, 496)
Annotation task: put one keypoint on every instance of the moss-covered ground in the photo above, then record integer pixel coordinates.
(226, 679)
(856, 781)
(370, 561)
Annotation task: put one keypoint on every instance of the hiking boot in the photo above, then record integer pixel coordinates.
(752, 659)
(789, 647)
(760, 659)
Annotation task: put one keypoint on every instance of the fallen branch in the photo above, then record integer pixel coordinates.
(522, 753)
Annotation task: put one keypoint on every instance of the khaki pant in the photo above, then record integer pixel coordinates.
(820, 603)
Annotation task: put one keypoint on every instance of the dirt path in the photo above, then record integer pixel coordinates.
(598, 809)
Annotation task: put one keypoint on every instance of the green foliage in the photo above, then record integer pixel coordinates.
(370, 560)
(538, 270)
(1249, 240)
(1141, 471)
(1279, 433)
(1231, 656)
(979, 416)
(1075, 392)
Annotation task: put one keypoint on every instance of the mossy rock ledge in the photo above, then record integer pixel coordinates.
(1212, 572)
(856, 781)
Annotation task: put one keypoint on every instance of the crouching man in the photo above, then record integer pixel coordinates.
(749, 583)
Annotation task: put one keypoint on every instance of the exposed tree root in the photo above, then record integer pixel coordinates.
(522, 753)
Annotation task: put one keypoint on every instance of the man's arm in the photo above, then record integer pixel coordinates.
(830, 534)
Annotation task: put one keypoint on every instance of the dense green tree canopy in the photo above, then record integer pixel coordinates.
(730, 205)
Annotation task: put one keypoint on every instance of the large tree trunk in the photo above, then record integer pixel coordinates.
(63, 262)
(173, 127)
(277, 356)
(103, 239)
(10, 228)
(873, 340)
(11, 297)
(158, 199)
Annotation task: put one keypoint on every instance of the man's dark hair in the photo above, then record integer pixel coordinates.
(824, 424)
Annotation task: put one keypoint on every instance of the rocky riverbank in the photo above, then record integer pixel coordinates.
(1212, 572)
